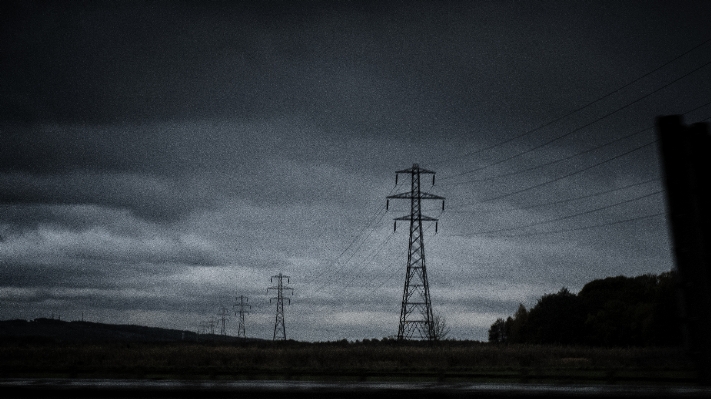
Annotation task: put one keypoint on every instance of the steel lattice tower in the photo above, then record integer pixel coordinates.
(223, 319)
(416, 319)
(241, 332)
(279, 326)
(211, 323)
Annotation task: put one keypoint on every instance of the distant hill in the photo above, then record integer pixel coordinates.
(49, 330)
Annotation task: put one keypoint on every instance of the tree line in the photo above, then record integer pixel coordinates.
(615, 311)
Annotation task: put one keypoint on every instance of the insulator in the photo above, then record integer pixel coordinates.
(433, 176)
(442, 204)
(396, 175)
(436, 225)
(394, 226)
(387, 205)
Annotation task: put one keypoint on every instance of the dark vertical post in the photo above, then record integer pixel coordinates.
(686, 163)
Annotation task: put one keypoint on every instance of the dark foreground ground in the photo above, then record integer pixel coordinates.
(52, 358)
(383, 361)
(388, 369)
(81, 388)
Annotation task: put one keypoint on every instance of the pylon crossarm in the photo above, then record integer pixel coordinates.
(421, 217)
(409, 195)
(415, 170)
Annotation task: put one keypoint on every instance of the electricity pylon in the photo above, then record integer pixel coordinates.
(241, 332)
(223, 318)
(211, 324)
(279, 326)
(416, 312)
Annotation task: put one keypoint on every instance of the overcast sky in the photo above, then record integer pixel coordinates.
(160, 158)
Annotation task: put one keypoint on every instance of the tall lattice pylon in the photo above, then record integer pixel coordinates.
(242, 306)
(416, 319)
(279, 326)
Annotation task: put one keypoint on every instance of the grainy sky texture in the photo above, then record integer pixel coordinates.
(160, 158)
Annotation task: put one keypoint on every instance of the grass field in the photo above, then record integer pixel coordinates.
(451, 361)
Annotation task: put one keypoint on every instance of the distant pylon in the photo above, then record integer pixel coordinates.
(223, 319)
(416, 312)
(202, 328)
(279, 326)
(242, 305)
(211, 323)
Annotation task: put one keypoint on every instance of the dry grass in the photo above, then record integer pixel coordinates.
(328, 359)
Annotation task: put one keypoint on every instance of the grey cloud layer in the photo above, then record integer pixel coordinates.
(160, 158)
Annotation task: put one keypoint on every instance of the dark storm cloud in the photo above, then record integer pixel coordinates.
(70, 299)
(144, 140)
(99, 61)
(148, 197)
(162, 149)
(76, 275)
(72, 217)
(111, 62)
(164, 171)
(335, 65)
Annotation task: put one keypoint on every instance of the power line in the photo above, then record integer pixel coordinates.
(371, 257)
(568, 199)
(370, 284)
(583, 107)
(548, 163)
(568, 157)
(699, 107)
(355, 251)
(357, 238)
(367, 258)
(454, 210)
(587, 227)
(569, 174)
(371, 221)
(590, 195)
(357, 248)
(582, 127)
(392, 265)
(569, 216)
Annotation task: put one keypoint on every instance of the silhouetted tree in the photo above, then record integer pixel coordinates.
(664, 327)
(441, 329)
(624, 311)
(615, 311)
(556, 319)
(497, 332)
